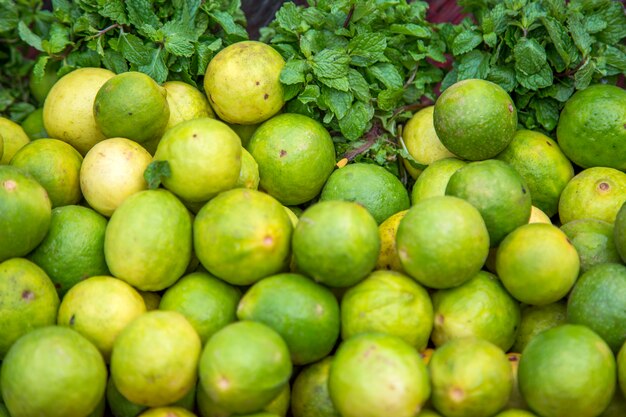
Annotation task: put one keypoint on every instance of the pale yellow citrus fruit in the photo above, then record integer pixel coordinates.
(186, 102)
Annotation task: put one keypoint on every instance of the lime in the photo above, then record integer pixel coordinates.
(53, 371)
(388, 302)
(121, 406)
(388, 257)
(481, 308)
(309, 395)
(131, 105)
(515, 399)
(428, 413)
(208, 408)
(249, 173)
(595, 193)
(515, 413)
(185, 102)
(33, 125)
(40, 86)
(591, 127)
(593, 240)
(242, 236)
(56, 166)
(537, 263)
(619, 232)
(244, 366)
(567, 371)
(434, 180)
(207, 302)
(151, 299)
(536, 319)
(68, 109)
(303, 313)
(475, 119)
(27, 301)
(167, 412)
(296, 156)
(470, 378)
(13, 137)
(244, 132)
(336, 243)
(617, 406)
(538, 216)
(621, 369)
(242, 82)
(442, 242)
(155, 358)
(374, 374)
(372, 186)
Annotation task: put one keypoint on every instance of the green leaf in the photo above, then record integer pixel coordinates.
(615, 31)
(58, 39)
(541, 79)
(561, 40)
(367, 48)
(289, 17)
(490, 39)
(133, 49)
(310, 94)
(156, 172)
(387, 74)
(156, 67)
(313, 16)
(530, 56)
(9, 16)
(114, 61)
(29, 37)
(594, 24)
(179, 38)
(226, 21)
(290, 91)
(293, 72)
(504, 76)
(474, 64)
(584, 75)
(546, 113)
(581, 38)
(140, 12)
(114, 10)
(40, 66)
(330, 63)
(340, 83)
(204, 52)
(466, 41)
(337, 101)
(561, 91)
(411, 29)
(19, 111)
(390, 98)
(358, 85)
(615, 58)
(356, 121)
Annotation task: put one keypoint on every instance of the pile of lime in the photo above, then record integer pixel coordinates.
(167, 251)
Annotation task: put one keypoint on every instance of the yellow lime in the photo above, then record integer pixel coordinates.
(536, 319)
(33, 125)
(249, 174)
(185, 102)
(309, 395)
(388, 257)
(13, 139)
(434, 180)
(244, 132)
(167, 412)
(538, 216)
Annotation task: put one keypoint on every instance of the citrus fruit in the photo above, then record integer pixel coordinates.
(515, 399)
(475, 119)
(56, 166)
(593, 240)
(591, 127)
(131, 105)
(242, 236)
(208, 408)
(567, 371)
(372, 186)
(428, 413)
(597, 301)
(1, 147)
(249, 173)
(515, 413)
(155, 357)
(33, 125)
(536, 319)
(76, 91)
(309, 395)
(27, 301)
(621, 369)
(442, 242)
(542, 164)
(538, 216)
(617, 406)
(374, 374)
(3, 411)
(470, 378)
(242, 82)
(481, 308)
(388, 257)
(312, 327)
(26, 213)
(537, 263)
(296, 156)
(13, 138)
(596, 193)
(151, 298)
(204, 157)
(111, 171)
(498, 192)
(619, 232)
(53, 371)
(99, 308)
(207, 302)
(121, 406)
(434, 180)
(167, 412)
(336, 243)
(388, 302)
(279, 406)
(244, 366)
(244, 132)
(185, 102)
(160, 248)
(40, 86)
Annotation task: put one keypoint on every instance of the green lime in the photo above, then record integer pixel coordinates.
(121, 406)
(434, 180)
(428, 413)
(388, 302)
(617, 406)
(54, 372)
(515, 399)
(336, 243)
(208, 408)
(374, 374)
(537, 263)
(621, 369)
(33, 125)
(185, 102)
(475, 119)
(536, 319)
(442, 242)
(593, 240)
(40, 86)
(388, 257)
(296, 156)
(372, 186)
(470, 378)
(151, 298)
(309, 395)
(244, 132)
(167, 412)
(13, 137)
(249, 174)
(567, 371)
(3, 410)
(304, 313)
(515, 413)
(619, 232)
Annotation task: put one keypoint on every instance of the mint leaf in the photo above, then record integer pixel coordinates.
(504, 76)
(179, 38)
(615, 58)
(40, 66)
(466, 41)
(389, 99)
(58, 39)
(530, 56)
(581, 38)
(330, 63)
(288, 17)
(546, 113)
(367, 48)
(156, 172)
(340, 83)
(28, 36)
(310, 94)
(9, 16)
(114, 10)
(387, 74)
(140, 12)
(156, 67)
(411, 29)
(226, 21)
(358, 85)
(337, 101)
(293, 72)
(114, 61)
(584, 75)
(474, 64)
(541, 79)
(356, 121)
(561, 39)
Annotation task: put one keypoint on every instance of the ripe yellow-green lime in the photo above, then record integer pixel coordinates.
(442, 242)
(538, 216)
(13, 139)
(26, 213)
(542, 164)
(167, 412)
(336, 243)
(369, 185)
(434, 180)
(131, 105)
(515, 413)
(536, 319)
(388, 257)
(567, 371)
(475, 119)
(99, 308)
(33, 125)
(155, 358)
(244, 366)
(388, 302)
(596, 193)
(591, 128)
(621, 369)
(68, 109)
(296, 156)
(242, 82)
(593, 240)
(204, 158)
(1, 147)
(53, 371)
(278, 407)
(111, 172)
(56, 166)
(374, 374)
(309, 394)
(249, 173)
(470, 378)
(185, 102)
(619, 232)
(27, 301)
(244, 132)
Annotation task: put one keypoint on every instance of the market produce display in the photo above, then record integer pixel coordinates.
(361, 214)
